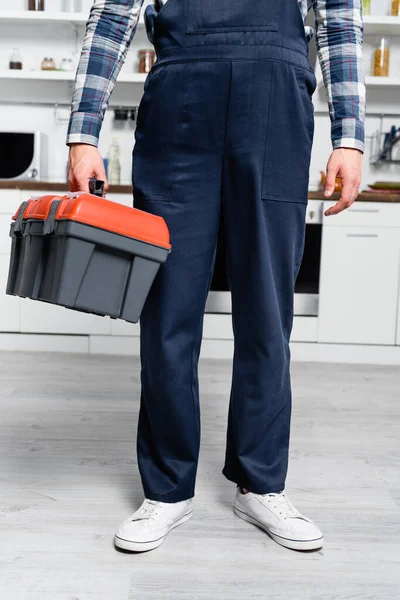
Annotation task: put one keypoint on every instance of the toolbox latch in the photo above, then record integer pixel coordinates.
(50, 223)
(20, 217)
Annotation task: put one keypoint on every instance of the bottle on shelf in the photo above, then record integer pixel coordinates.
(36, 5)
(15, 60)
(114, 164)
(67, 64)
(366, 7)
(381, 58)
(395, 8)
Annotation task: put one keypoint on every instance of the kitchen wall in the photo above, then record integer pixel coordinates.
(59, 42)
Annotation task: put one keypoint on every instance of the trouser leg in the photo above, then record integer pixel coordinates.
(177, 175)
(264, 239)
(262, 280)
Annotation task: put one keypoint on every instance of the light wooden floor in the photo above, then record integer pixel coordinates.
(69, 476)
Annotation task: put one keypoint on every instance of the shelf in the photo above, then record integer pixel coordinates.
(373, 24)
(378, 25)
(374, 82)
(25, 75)
(45, 17)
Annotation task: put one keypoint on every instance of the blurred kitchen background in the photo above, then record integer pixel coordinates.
(351, 260)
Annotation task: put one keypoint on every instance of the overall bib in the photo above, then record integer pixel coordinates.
(224, 131)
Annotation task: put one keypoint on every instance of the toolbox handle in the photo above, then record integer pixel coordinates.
(96, 187)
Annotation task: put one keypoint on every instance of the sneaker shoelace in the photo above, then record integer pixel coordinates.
(283, 505)
(148, 510)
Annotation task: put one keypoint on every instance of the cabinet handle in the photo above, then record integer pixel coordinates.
(362, 235)
(364, 210)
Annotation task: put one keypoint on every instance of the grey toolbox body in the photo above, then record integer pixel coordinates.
(86, 253)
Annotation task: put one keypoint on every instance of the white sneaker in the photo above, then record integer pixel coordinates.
(279, 518)
(148, 527)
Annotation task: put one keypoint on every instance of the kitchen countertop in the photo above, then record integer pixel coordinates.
(362, 197)
(54, 187)
(127, 189)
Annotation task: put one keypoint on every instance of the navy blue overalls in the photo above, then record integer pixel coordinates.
(226, 121)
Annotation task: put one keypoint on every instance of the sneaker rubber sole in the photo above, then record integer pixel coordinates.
(314, 544)
(137, 546)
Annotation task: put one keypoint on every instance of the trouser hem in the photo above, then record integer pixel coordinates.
(185, 493)
(267, 489)
(170, 498)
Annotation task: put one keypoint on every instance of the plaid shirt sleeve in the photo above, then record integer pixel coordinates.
(339, 38)
(109, 32)
(112, 25)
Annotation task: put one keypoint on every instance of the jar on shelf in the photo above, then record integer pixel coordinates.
(366, 7)
(146, 60)
(395, 8)
(15, 60)
(48, 64)
(381, 58)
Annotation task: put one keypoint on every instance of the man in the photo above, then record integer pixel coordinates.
(226, 121)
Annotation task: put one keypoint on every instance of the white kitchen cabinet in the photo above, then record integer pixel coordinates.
(9, 201)
(9, 305)
(398, 326)
(5, 240)
(359, 287)
(41, 317)
(123, 328)
(365, 214)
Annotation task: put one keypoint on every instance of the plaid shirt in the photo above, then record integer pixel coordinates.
(112, 25)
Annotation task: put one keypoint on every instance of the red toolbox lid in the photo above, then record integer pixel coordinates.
(103, 214)
(42, 205)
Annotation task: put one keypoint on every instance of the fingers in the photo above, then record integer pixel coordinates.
(330, 183)
(338, 208)
(85, 162)
(77, 183)
(350, 192)
(101, 174)
(79, 175)
(346, 200)
(348, 163)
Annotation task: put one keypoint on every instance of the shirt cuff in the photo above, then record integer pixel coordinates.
(84, 128)
(348, 133)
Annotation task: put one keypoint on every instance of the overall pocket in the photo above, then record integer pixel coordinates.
(222, 16)
(158, 124)
(290, 133)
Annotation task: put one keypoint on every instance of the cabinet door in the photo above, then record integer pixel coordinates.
(40, 317)
(9, 202)
(359, 285)
(398, 325)
(9, 305)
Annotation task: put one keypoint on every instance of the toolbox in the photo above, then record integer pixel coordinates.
(86, 253)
